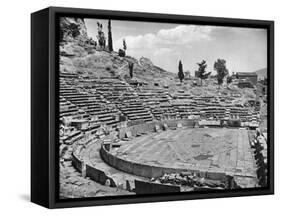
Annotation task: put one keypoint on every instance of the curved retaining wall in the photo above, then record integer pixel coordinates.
(91, 172)
(150, 171)
(99, 176)
(76, 162)
(135, 168)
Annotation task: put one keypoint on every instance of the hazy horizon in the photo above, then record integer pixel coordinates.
(244, 49)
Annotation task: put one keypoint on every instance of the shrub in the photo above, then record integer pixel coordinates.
(110, 69)
(121, 53)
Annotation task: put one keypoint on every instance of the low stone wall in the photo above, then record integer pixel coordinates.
(99, 176)
(91, 172)
(150, 171)
(76, 162)
(145, 170)
(138, 169)
(185, 123)
(136, 129)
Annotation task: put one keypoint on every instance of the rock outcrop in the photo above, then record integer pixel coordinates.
(72, 28)
(147, 64)
(81, 53)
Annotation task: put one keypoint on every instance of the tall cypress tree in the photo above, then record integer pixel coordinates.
(110, 44)
(131, 69)
(180, 73)
(101, 38)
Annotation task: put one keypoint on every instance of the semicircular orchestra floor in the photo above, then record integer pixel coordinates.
(225, 150)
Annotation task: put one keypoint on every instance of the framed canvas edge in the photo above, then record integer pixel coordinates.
(53, 201)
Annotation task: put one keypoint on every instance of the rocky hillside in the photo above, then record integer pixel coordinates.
(261, 73)
(72, 28)
(80, 54)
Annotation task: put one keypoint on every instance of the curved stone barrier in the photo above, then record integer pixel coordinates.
(133, 168)
(150, 171)
(137, 170)
(76, 162)
(91, 172)
(184, 122)
(99, 176)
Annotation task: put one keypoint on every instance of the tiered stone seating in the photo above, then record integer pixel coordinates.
(184, 109)
(242, 113)
(158, 100)
(108, 98)
(69, 109)
(182, 95)
(71, 136)
(210, 107)
(135, 110)
(123, 96)
(164, 111)
(66, 75)
(159, 95)
(92, 104)
(216, 112)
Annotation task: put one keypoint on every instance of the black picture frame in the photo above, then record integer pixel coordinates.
(44, 105)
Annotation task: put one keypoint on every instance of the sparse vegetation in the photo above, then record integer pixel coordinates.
(110, 43)
(201, 72)
(228, 80)
(121, 53)
(180, 73)
(109, 68)
(124, 45)
(222, 71)
(74, 30)
(131, 69)
(101, 37)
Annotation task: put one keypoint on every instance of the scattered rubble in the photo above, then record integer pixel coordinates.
(190, 180)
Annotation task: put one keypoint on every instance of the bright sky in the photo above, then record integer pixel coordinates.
(244, 49)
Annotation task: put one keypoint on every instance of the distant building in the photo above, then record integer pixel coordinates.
(243, 83)
(251, 77)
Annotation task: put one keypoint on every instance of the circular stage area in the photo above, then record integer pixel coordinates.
(213, 152)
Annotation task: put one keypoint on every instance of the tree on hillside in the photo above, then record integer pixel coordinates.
(124, 45)
(222, 71)
(122, 52)
(101, 37)
(131, 69)
(180, 73)
(201, 72)
(110, 44)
